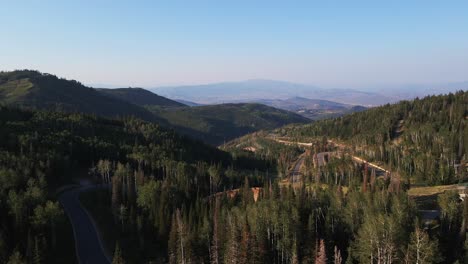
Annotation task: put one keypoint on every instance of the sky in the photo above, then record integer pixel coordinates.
(339, 44)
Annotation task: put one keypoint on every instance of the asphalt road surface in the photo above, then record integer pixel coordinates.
(321, 157)
(295, 174)
(88, 245)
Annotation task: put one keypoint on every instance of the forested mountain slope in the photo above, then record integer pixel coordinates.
(140, 97)
(168, 201)
(32, 89)
(213, 124)
(219, 123)
(313, 109)
(426, 139)
(42, 150)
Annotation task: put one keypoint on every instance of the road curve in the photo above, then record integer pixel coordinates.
(355, 158)
(295, 174)
(88, 245)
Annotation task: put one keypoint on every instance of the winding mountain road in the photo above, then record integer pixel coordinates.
(88, 245)
(321, 155)
(295, 174)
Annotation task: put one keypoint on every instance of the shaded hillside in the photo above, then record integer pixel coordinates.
(32, 89)
(299, 103)
(218, 123)
(140, 97)
(213, 123)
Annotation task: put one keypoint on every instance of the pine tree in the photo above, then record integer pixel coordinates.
(118, 258)
(365, 180)
(215, 241)
(37, 255)
(245, 242)
(294, 256)
(172, 244)
(123, 215)
(181, 234)
(116, 195)
(16, 258)
(232, 247)
(372, 179)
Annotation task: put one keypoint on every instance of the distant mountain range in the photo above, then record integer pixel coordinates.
(255, 90)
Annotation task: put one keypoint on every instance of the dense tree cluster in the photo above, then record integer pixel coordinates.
(341, 213)
(268, 154)
(40, 151)
(175, 200)
(425, 138)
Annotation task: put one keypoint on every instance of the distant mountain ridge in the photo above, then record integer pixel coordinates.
(252, 90)
(189, 103)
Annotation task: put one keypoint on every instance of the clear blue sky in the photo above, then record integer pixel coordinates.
(150, 43)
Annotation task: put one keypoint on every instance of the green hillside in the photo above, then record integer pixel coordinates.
(140, 97)
(213, 124)
(218, 123)
(425, 139)
(32, 89)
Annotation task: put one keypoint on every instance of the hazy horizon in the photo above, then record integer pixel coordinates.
(370, 88)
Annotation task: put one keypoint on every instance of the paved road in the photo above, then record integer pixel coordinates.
(88, 246)
(320, 156)
(295, 174)
(379, 171)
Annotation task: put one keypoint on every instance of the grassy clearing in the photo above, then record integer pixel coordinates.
(432, 190)
(14, 89)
